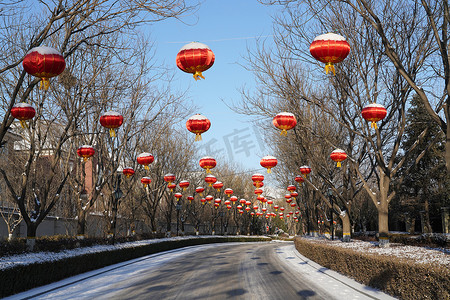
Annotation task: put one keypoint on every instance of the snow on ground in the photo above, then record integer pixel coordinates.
(418, 254)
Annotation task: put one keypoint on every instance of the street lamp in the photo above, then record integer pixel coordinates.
(330, 195)
(178, 207)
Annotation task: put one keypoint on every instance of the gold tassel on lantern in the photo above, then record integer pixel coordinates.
(112, 132)
(198, 137)
(330, 67)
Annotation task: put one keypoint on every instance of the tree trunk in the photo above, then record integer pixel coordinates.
(346, 228)
(383, 223)
(81, 223)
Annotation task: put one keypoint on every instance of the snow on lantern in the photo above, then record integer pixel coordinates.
(23, 112)
(44, 62)
(373, 113)
(227, 202)
(299, 179)
(291, 188)
(216, 205)
(239, 207)
(198, 124)
(217, 200)
(270, 202)
(146, 181)
(207, 163)
(242, 201)
(228, 207)
(338, 155)
(86, 152)
(282, 208)
(145, 159)
(255, 207)
(169, 178)
(305, 170)
(209, 198)
(128, 171)
(199, 190)
(257, 179)
(284, 121)
(233, 199)
(184, 184)
(268, 162)
(111, 120)
(276, 207)
(178, 196)
(228, 192)
(241, 212)
(195, 58)
(210, 179)
(329, 48)
(218, 185)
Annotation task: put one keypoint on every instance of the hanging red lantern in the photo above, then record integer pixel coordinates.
(264, 209)
(198, 124)
(146, 181)
(269, 202)
(247, 208)
(169, 178)
(178, 196)
(258, 184)
(145, 159)
(268, 162)
(207, 163)
(210, 179)
(282, 208)
(257, 179)
(297, 212)
(227, 202)
(216, 205)
(184, 184)
(44, 62)
(228, 207)
(305, 170)
(294, 195)
(242, 201)
(86, 152)
(338, 155)
(291, 188)
(374, 112)
(255, 207)
(284, 121)
(190, 198)
(171, 186)
(276, 207)
(111, 120)
(128, 171)
(200, 190)
(218, 200)
(248, 203)
(264, 200)
(233, 199)
(293, 205)
(288, 198)
(218, 185)
(258, 191)
(329, 48)
(260, 198)
(209, 198)
(299, 179)
(203, 200)
(241, 212)
(239, 207)
(195, 58)
(23, 112)
(228, 192)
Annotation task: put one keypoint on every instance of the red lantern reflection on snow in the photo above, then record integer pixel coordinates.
(145, 159)
(86, 152)
(338, 155)
(373, 113)
(23, 112)
(111, 120)
(268, 162)
(44, 62)
(329, 48)
(207, 163)
(198, 124)
(284, 121)
(128, 171)
(195, 58)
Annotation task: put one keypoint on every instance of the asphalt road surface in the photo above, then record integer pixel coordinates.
(268, 270)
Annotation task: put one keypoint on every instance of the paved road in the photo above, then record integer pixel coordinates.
(221, 271)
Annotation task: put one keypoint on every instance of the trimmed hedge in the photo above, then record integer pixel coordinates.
(397, 277)
(25, 277)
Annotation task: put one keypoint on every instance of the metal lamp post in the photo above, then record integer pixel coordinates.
(330, 195)
(117, 195)
(178, 208)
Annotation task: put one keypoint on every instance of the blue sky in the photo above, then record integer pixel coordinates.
(229, 28)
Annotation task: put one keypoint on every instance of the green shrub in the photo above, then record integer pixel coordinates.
(397, 277)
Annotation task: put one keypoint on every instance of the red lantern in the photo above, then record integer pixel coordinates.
(248, 203)
(86, 151)
(218, 185)
(198, 124)
(195, 58)
(294, 195)
(111, 120)
(270, 202)
(282, 208)
(239, 207)
(190, 198)
(178, 196)
(329, 48)
(227, 202)
(209, 198)
(247, 208)
(207, 163)
(228, 207)
(146, 181)
(305, 170)
(299, 179)
(374, 112)
(293, 204)
(260, 198)
(44, 62)
(264, 209)
(241, 212)
(210, 179)
(171, 186)
(228, 192)
(203, 200)
(268, 162)
(216, 205)
(255, 207)
(169, 178)
(291, 188)
(257, 179)
(127, 171)
(264, 200)
(258, 191)
(288, 197)
(242, 201)
(276, 207)
(338, 155)
(233, 199)
(184, 184)
(217, 200)
(200, 190)
(284, 121)
(145, 159)
(23, 112)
